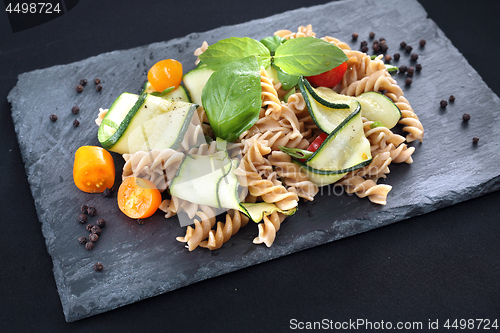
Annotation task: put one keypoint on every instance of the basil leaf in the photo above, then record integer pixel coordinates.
(234, 48)
(232, 98)
(272, 42)
(308, 56)
(287, 81)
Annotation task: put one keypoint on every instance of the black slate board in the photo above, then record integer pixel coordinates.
(145, 260)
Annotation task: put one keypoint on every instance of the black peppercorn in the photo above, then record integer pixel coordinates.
(82, 218)
(364, 48)
(381, 39)
(384, 47)
(403, 69)
(98, 87)
(92, 211)
(408, 48)
(79, 88)
(372, 34)
(443, 103)
(402, 45)
(96, 230)
(376, 47)
(101, 223)
(418, 67)
(396, 56)
(422, 42)
(98, 267)
(452, 98)
(107, 192)
(388, 58)
(97, 80)
(82, 240)
(76, 123)
(364, 43)
(408, 81)
(83, 82)
(89, 227)
(89, 246)
(93, 237)
(75, 109)
(475, 140)
(53, 117)
(355, 36)
(411, 71)
(84, 209)
(466, 117)
(414, 56)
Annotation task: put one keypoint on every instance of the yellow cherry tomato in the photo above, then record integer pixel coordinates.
(93, 169)
(165, 74)
(138, 198)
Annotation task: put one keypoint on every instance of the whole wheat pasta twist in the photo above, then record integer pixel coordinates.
(376, 193)
(170, 207)
(292, 175)
(343, 46)
(270, 99)
(268, 228)
(303, 31)
(157, 166)
(410, 120)
(378, 167)
(216, 238)
(194, 236)
(200, 50)
(378, 81)
(380, 136)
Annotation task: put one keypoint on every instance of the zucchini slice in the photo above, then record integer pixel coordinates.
(378, 107)
(147, 114)
(195, 80)
(345, 149)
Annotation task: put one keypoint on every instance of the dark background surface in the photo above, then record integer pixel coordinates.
(442, 265)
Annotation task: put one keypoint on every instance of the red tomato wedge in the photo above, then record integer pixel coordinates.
(329, 78)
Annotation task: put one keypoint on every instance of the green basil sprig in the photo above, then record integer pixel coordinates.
(232, 98)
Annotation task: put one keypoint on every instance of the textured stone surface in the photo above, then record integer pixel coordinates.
(141, 261)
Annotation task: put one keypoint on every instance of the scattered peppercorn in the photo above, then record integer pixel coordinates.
(84, 209)
(93, 238)
(384, 47)
(452, 98)
(98, 87)
(410, 71)
(408, 81)
(443, 103)
(414, 56)
(408, 48)
(355, 36)
(402, 69)
(98, 267)
(79, 88)
(89, 245)
(402, 45)
(97, 80)
(92, 211)
(475, 140)
(82, 218)
(364, 48)
(364, 43)
(376, 47)
(76, 123)
(372, 34)
(75, 109)
(96, 230)
(53, 117)
(422, 42)
(396, 56)
(83, 82)
(101, 223)
(82, 239)
(107, 192)
(381, 39)
(418, 67)
(466, 117)
(89, 227)
(388, 58)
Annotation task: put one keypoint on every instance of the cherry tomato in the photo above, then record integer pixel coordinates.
(165, 74)
(93, 169)
(138, 198)
(329, 78)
